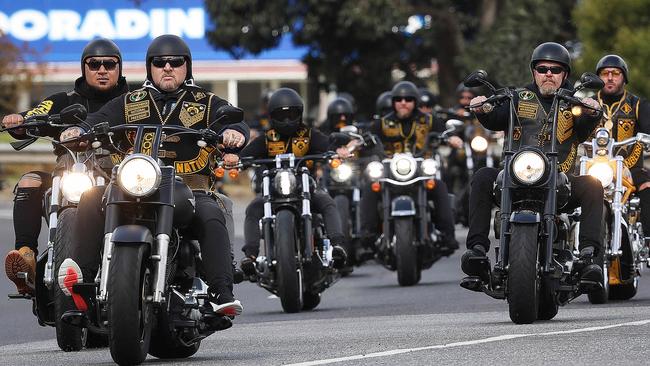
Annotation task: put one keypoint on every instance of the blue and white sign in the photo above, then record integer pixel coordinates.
(58, 30)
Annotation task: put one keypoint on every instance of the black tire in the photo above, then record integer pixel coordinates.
(343, 207)
(310, 300)
(68, 337)
(164, 343)
(406, 254)
(524, 282)
(624, 292)
(129, 315)
(547, 306)
(288, 272)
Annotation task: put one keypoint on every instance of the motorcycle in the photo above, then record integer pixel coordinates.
(343, 184)
(297, 263)
(409, 241)
(75, 173)
(625, 247)
(536, 271)
(148, 295)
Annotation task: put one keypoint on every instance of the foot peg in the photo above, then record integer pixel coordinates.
(216, 322)
(472, 283)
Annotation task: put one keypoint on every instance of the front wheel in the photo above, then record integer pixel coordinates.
(524, 281)
(129, 311)
(406, 253)
(68, 337)
(343, 207)
(288, 272)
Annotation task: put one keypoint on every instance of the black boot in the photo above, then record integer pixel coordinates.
(472, 259)
(590, 274)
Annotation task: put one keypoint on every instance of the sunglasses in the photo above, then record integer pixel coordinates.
(290, 114)
(553, 69)
(605, 73)
(160, 62)
(109, 65)
(405, 99)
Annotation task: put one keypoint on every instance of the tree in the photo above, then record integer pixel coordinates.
(620, 27)
(14, 75)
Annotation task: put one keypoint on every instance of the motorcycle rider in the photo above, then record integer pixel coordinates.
(626, 114)
(101, 80)
(289, 134)
(550, 65)
(405, 130)
(383, 105)
(428, 101)
(339, 113)
(168, 96)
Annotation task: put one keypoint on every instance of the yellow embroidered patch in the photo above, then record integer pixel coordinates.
(527, 110)
(137, 111)
(564, 126)
(191, 113)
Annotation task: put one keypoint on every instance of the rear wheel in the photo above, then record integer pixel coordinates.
(406, 253)
(68, 337)
(547, 306)
(310, 300)
(626, 291)
(288, 273)
(129, 312)
(524, 281)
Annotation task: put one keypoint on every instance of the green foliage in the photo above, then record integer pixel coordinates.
(504, 50)
(620, 27)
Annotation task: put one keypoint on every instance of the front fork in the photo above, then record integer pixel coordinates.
(48, 276)
(306, 215)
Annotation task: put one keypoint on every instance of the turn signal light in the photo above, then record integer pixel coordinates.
(431, 184)
(233, 173)
(219, 172)
(335, 163)
(375, 186)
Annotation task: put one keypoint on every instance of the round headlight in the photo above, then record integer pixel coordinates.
(284, 182)
(74, 184)
(139, 175)
(479, 144)
(375, 170)
(342, 173)
(403, 166)
(528, 167)
(429, 167)
(603, 172)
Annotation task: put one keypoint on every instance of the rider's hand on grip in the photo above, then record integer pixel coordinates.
(478, 101)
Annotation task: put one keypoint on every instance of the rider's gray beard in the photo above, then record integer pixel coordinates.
(547, 90)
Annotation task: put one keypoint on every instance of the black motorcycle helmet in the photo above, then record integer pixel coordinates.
(350, 98)
(427, 98)
(384, 104)
(285, 110)
(612, 61)
(169, 45)
(551, 51)
(405, 89)
(100, 47)
(338, 108)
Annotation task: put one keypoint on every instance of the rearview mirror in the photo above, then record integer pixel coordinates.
(592, 81)
(73, 114)
(476, 79)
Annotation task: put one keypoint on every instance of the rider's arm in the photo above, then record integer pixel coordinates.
(643, 116)
(50, 105)
(320, 143)
(497, 120)
(585, 125)
(225, 124)
(256, 149)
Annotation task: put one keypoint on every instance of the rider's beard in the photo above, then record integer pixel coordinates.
(547, 89)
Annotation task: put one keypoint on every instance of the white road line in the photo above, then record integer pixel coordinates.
(466, 343)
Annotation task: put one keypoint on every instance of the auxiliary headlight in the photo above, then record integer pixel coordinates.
(429, 167)
(479, 144)
(603, 172)
(375, 170)
(74, 184)
(342, 173)
(284, 182)
(139, 175)
(528, 167)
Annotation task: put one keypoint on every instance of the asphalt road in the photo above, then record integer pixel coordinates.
(367, 319)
